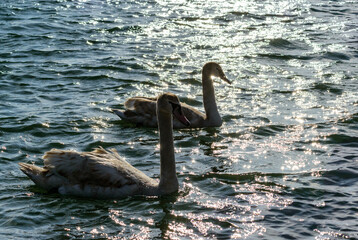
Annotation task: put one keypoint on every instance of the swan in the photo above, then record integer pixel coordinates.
(141, 110)
(103, 173)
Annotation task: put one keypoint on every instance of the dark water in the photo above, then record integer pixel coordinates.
(284, 165)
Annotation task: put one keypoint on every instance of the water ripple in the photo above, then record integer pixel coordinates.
(282, 166)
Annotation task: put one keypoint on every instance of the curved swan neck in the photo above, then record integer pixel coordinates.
(212, 113)
(168, 179)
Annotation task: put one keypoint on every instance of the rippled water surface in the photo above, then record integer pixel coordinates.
(284, 165)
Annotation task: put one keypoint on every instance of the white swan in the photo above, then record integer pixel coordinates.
(141, 110)
(104, 174)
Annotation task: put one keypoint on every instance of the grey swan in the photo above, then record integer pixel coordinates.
(142, 110)
(103, 173)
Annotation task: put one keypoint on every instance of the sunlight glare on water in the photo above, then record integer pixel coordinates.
(282, 165)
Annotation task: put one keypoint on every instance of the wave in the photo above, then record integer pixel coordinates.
(281, 56)
(346, 139)
(133, 28)
(327, 87)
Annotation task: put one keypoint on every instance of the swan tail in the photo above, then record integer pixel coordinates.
(32, 171)
(120, 114)
(41, 176)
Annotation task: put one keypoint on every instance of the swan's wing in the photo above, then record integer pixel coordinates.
(97, 174)
(97, 168)
(195, 117)
(140, 110)
(141, 104)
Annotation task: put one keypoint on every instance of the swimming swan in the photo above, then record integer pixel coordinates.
(104, 174)
(141, 110)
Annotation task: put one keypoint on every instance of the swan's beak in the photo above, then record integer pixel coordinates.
(178, 113)
(226, 80)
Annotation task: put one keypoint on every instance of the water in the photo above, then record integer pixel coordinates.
(282, 166)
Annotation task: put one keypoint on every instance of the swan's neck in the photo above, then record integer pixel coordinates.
(211, 109)
(168, 179)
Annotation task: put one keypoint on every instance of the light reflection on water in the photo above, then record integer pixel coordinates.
(282, 166)
(229, 213)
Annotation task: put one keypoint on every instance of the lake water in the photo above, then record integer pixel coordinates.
(284, 165)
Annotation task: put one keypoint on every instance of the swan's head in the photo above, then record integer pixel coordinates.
(170, 104)
(215, 70)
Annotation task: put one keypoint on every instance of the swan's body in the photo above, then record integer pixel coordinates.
(104, 174)
(142, 110)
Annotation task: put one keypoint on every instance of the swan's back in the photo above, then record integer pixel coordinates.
(99, 174)
(195, 117)
(99, 167)
(139, 110)
(142, 111)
